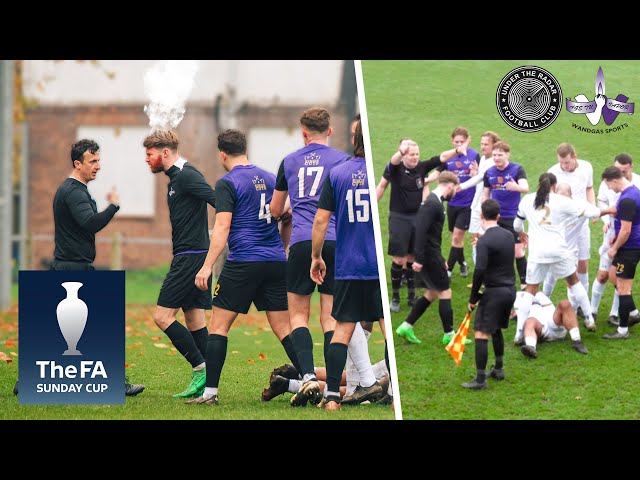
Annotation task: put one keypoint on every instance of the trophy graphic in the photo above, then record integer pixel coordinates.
(72, 317)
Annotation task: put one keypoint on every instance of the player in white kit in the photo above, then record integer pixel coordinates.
(486, 161)
(547, 323)
(578, 174)
(548, 214)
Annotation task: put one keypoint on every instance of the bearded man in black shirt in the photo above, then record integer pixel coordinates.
(188, 194)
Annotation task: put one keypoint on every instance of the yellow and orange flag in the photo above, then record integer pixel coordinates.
(456, 346)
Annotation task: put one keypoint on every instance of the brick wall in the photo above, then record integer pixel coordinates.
(52, 131)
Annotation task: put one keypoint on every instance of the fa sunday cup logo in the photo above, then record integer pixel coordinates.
(529, 99)
(601, 107)
(71, 335)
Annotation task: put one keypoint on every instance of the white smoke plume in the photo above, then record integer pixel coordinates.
(167, 85)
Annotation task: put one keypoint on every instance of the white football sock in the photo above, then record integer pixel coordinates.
(549, 284)
(210, 392)
(584, 280)
(582, 299)
(359, 351)
(575, 334)
(615, 304)
(523, 313)
(380, 369)
(199, 367)
(596, 294)
(352, 375)
(294, 386)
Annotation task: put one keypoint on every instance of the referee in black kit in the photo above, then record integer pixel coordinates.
(408, 178)
(77, 220)
(494, 267)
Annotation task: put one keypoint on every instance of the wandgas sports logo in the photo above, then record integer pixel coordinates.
(601, 108)
(529, 99)
(71, 337)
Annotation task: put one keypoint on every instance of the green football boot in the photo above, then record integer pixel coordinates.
(198, 380)
(408, 334)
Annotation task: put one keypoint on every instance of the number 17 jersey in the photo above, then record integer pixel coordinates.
(303, 173)
(246, 192)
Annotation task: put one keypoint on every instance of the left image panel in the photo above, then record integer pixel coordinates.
(201, 238)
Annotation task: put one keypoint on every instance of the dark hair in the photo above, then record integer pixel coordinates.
(611, 173)
(232, 142)
(358, 141)
(316, 119)
(78, 149)
(490, 209)
(623, 159)
(162, 139)
(356, 118)
(545, 182)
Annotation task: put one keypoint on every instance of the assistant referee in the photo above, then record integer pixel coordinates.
(494, 268)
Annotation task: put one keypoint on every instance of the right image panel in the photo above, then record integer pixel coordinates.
(510, 219)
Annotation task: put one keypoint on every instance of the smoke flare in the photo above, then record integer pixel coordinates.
(167, 85)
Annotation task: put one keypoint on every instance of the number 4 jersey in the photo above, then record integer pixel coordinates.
(346, 193)
(246, 192)
(303, 174)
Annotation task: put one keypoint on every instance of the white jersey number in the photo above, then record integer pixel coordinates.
(265, 209)
(316, 180)
(358, 215)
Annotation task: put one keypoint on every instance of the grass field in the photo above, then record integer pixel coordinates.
(426, 100)
(253, 352)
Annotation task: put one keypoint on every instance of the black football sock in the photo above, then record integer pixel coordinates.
(453, 258)
(411, 280)
(216, 355)
(417, 310)
(521, 265)
(303, 344)
(184, 343)
(287, 344)
(446, 315)
(396, 279)
(336, 360)
(200, 337)
(327, 341)
(482, 354)
(498, 348)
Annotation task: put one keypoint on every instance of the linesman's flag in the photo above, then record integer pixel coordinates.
(456, 346)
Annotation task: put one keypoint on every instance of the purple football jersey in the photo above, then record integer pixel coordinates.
(346, 193)
(303, 173)
(254, 235)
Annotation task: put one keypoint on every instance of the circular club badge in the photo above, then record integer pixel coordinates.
(529, 99)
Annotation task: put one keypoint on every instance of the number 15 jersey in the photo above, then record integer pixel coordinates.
(246, 192)
(346, 193)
